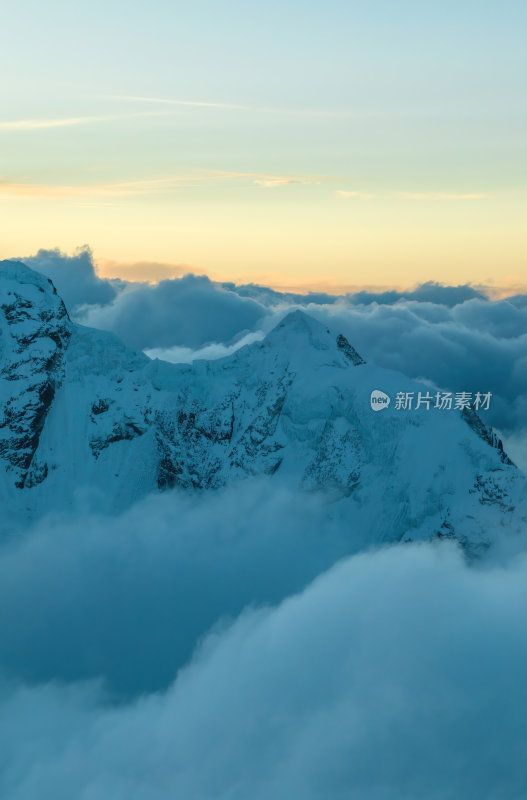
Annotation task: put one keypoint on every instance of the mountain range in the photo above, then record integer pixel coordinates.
(85, 420)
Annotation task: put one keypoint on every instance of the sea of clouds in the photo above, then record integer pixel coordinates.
(232, 645)
(235, 645)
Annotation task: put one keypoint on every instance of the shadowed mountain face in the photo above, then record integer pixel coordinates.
(34, 336)
(80, 414)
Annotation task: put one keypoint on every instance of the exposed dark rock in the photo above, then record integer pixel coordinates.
(349, 351)
(124, 430)
(101, 405)
(485, 433)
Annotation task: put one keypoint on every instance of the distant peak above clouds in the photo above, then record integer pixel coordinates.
(297, 325)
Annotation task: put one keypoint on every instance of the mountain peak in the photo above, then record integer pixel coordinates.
(299, 317)
(298, 321)
(300, 327)
(19, 273)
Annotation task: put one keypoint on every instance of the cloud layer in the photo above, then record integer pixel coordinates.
(395, 674)
(189, 311)
(79, 597)
(74, 277)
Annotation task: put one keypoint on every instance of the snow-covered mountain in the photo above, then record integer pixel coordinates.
(84, 419)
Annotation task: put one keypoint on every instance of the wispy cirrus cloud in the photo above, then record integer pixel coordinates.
(272, 183)
(156, 185)
(189, 103)
(359, 195)
(354, 195)
(119, 189)
(64, 122)
(357, 112)
(39, 124)
(168, 101)
(440, 196)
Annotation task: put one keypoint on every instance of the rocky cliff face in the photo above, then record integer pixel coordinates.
(82, 415)
(34, 333)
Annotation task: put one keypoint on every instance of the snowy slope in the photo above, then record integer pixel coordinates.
(85, 420)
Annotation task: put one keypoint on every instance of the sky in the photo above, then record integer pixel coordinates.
(292, 144)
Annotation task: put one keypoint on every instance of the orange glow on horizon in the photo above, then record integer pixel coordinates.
(153, 272)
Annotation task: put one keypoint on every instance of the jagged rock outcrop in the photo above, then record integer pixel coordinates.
(34, 334)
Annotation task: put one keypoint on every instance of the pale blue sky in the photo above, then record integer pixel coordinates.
(365, 106)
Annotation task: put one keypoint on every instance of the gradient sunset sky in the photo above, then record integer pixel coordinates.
(290, 143)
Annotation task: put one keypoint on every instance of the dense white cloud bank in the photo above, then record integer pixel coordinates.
(396, 674)
(74, 277)
(126, 598)
(189, 311)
